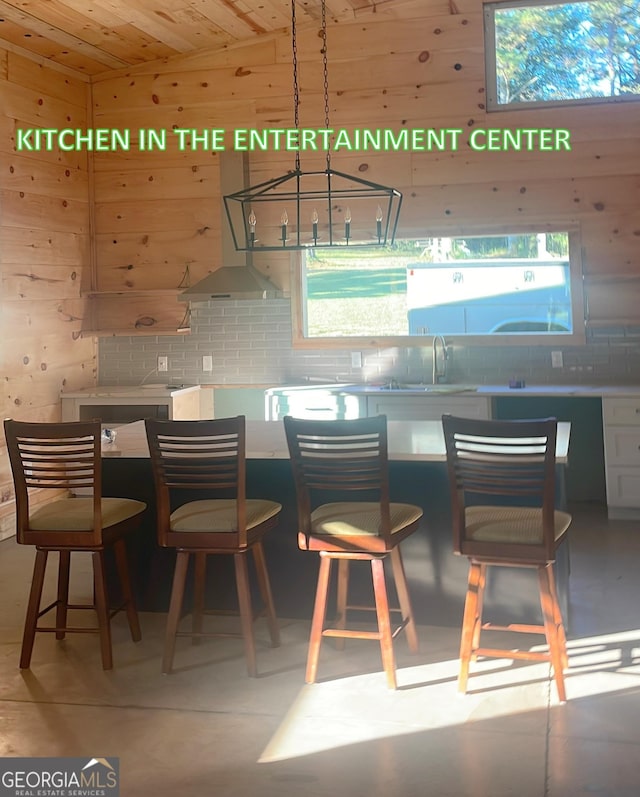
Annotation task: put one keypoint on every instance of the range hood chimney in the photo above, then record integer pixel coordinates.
(236, 278)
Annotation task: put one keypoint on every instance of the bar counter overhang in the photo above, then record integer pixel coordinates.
(437, 579)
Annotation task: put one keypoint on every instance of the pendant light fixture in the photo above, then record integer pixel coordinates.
(307, 209)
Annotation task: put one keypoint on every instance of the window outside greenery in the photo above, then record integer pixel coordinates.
(515, 285)
(541, 52)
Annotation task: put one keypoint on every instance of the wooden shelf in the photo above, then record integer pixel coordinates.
(134, 292)
(111, 333)
(612, 300)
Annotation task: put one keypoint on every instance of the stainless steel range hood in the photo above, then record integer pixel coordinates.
(231, 282)
(236, 278)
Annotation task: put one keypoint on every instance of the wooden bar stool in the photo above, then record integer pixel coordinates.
(200, 468)
(502, 478)
(340, 470)
(66, 457)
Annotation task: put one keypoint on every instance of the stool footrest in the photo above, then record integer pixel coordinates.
(209, 634)
(362, 608)
(524, 655)
(68, 630)
(344, 633)
(520, 628)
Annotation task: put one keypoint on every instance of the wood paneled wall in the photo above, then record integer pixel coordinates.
(413, 64)
(44, 252)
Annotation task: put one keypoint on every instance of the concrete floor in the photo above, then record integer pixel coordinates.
(208, 729)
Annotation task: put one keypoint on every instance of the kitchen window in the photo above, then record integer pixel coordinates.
(523, 287)
(559, 52)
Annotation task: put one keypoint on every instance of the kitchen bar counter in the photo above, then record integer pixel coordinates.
(409, 441)
(437, 578)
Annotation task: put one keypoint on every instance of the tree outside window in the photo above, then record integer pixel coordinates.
(562, 51)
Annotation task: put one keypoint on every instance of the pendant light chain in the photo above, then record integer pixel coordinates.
(296, 91)
(325, 73)
(321, 201)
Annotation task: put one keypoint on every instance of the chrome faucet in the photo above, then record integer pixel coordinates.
(439, 373)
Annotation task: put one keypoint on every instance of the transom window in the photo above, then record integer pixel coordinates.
(554, 51)
(522, 286)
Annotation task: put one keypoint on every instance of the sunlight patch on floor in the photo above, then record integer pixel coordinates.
(345, 711)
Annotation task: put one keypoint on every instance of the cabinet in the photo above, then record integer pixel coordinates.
(247, 401)
(428, 408)
(585, 480)
(621, 420)
(117, 405)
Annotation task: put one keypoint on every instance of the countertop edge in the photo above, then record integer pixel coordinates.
(557, 391)
(129, 391)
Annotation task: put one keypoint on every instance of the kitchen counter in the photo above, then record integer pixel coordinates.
(597, 391)
(131, 391)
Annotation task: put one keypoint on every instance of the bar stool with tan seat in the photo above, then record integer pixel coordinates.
(341, 475)
(502, 477)
(67, 457)
(199, 470)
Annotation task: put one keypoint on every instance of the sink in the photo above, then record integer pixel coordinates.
(417, 387)
(449, 388)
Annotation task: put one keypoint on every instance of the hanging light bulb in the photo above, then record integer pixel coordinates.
(347, 224)
(252, 227)
(379, 217)
(284, 221)
(314, 224)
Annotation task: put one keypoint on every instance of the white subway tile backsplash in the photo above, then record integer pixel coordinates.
(250, 342)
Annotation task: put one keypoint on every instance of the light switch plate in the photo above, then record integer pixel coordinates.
(356, 359)
(163, 363)
(556, 359)
(207, 362)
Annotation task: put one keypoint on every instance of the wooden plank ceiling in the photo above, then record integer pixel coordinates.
(93, 36)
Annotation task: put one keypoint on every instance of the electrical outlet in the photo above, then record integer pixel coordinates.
(163, 363)
(207, 362)
(356, 359)
(556, 359)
